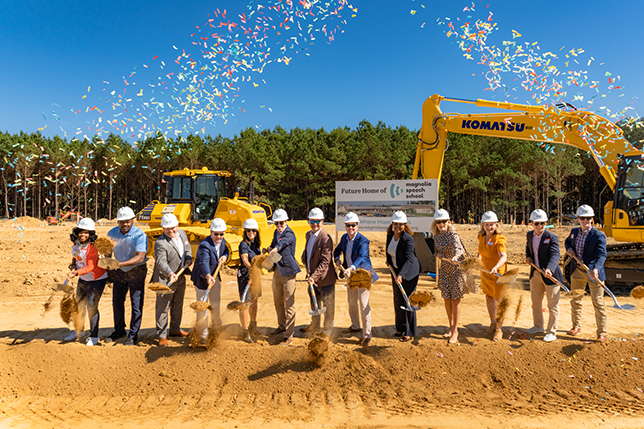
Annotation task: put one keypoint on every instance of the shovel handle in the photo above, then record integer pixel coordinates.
(402, 291)
(585, 267)
(178, 273)
(551, 278)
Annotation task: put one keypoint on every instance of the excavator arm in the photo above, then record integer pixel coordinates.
(561, 124)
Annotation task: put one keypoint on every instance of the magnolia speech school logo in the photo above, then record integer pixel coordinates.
(395, 190)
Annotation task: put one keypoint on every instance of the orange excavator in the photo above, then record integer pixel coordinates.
(620, 163)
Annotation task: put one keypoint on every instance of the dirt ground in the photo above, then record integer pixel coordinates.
(520, 382)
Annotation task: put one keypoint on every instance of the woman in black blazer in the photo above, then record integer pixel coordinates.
(401, 256)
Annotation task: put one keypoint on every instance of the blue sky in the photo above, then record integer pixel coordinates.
(382, 66)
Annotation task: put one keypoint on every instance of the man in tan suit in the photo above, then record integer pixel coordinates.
(171, 252)
(317, 258)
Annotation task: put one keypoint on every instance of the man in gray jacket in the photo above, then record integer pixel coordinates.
(172, 252)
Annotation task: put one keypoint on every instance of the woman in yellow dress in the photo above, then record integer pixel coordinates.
(494, 257)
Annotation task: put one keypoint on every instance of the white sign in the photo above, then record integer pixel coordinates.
(374, 201)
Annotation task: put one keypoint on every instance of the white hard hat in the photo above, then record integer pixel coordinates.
(489, 217)
(251, 224)
(538, 216)
(351, 217)
(87, 224)
(316, 214)
(169, 221)
(125, 213)
(441, 214)
(280, 215)
(585, 211)
(399, 217)
(218, 225)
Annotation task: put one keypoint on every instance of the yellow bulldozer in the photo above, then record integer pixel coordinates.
(196, 197)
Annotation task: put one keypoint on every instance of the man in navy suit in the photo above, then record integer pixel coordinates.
(542, 250)
(589, 245)
(355, 248)
(284, 277)
(210, 253)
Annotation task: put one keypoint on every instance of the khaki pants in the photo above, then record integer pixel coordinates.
(284, 300)
(537, 290)
(359, 310)
(578, 282)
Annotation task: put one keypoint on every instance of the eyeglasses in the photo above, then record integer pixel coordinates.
(539, 223)
(350, 225)
(251, 230)
(315, 222)
(218, 234)
(280, 223)
(440, 222)
(585, 218)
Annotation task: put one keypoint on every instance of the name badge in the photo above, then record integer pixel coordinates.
(572, 235)
(546, 241)
(490, 243)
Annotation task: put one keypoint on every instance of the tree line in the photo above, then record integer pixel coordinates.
(295, 170)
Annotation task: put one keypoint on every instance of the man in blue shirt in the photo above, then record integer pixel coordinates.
(130, 249)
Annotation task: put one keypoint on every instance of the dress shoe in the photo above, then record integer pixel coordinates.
(115, 336)
(277, 331)
(180, 333)
(601, 338)
(131, 342)
(574, 331)
(366, 342)
(351, 330)
(534, 330)
(163, 342)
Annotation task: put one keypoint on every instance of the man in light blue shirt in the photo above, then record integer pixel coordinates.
(130, 249)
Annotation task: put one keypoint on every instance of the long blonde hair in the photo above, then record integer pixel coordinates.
(497, 230)
(434, 229)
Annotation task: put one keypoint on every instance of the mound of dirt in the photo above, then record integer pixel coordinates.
(29, 221)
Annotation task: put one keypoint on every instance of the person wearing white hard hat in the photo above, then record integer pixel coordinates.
(355, 250)
(212, 251)
(286, 269)
(249, 248)
(172, 252)
(317, 258)
(542, 250)
(91, 279)
(493, 256)
(130, 249)
(451, 280)
(589, 245)
(401, 256)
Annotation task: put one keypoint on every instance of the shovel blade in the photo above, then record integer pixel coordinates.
(319, 312)
(625, 306)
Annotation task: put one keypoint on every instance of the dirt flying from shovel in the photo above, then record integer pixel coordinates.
(517, 312)
(159, 287)
(360, 278)
(104, 245)
(318, 348)
(501, 310)
(200, 306)
(638, 292)
(255, 274)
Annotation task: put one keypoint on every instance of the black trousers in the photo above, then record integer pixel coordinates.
(405, 320)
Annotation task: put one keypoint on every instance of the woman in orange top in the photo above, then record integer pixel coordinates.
(493, 256)
(91, 278)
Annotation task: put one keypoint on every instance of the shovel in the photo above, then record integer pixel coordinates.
(202, 304)
(63, 287)
(238, 305)
(318, 311)
(162, 289)
(404, 294)
(561, 285)
(272, 259)
(601, 283)
(508, 277)
(467, 264)
(109, 264)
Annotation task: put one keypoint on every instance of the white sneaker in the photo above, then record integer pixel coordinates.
(92, 341)
(71, 337)
(549, 337)
(534, 330)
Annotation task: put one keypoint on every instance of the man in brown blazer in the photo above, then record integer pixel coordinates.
(317, 258)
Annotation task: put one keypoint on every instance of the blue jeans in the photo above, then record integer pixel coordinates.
(88, 294)
(134, 282)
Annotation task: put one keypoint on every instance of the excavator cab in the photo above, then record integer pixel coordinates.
(203, 191)
(629, 193)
